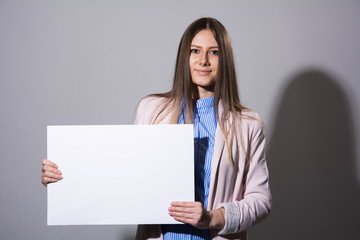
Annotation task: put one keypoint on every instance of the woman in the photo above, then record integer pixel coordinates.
(231, 177)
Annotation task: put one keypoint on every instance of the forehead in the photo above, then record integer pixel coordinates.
(204, 38)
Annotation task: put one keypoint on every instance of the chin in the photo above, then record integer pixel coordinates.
(204, 82)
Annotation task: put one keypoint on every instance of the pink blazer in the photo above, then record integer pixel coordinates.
(244, 184)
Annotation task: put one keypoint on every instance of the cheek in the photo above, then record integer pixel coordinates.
(215, 66)
(192, 61)
(215, 61)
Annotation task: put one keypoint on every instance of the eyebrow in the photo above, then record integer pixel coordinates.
(201, 47)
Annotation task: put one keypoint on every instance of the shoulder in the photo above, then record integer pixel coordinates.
(250, 113)
(148, 107)
(150, 102)
(252, 122)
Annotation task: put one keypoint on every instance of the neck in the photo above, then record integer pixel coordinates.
(205, 92)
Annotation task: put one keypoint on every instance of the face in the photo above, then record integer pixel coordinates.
(203, 62)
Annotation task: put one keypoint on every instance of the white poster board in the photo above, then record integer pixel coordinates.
(119, 174)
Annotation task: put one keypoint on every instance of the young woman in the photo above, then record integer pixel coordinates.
(231, 177)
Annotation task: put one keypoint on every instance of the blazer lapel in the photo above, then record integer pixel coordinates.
(218, 151)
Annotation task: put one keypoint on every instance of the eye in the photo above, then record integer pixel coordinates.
(194, 50)
(214, 52)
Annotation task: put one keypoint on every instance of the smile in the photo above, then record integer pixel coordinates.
(203, 72)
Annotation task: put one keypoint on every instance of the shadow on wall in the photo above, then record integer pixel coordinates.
(312, 164)
(127, 236)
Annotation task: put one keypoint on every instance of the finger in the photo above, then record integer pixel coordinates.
(47, 180)
(47, 168)
(52, 175)
(184, 204)
(182, 215)
(189, 213)
(181, 209)
(184, 220)
(49, 163)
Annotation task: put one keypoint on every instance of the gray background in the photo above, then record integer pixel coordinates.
(90, 62)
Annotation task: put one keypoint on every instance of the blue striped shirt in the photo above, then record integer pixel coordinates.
(204, 140)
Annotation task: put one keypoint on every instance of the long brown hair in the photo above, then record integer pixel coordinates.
(179, 101)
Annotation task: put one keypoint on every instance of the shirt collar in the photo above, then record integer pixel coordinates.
(203, 103)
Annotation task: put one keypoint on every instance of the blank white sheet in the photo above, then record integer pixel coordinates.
(119, 174)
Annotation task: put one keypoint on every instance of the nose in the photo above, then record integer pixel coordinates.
(204, 61)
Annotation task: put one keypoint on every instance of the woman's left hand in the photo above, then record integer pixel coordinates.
(195, 214)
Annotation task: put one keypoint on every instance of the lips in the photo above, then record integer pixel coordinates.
(203, 72)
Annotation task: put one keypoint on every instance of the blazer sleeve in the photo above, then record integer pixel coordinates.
(256, 203)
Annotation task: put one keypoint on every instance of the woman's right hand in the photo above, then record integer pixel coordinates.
(50, 172)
